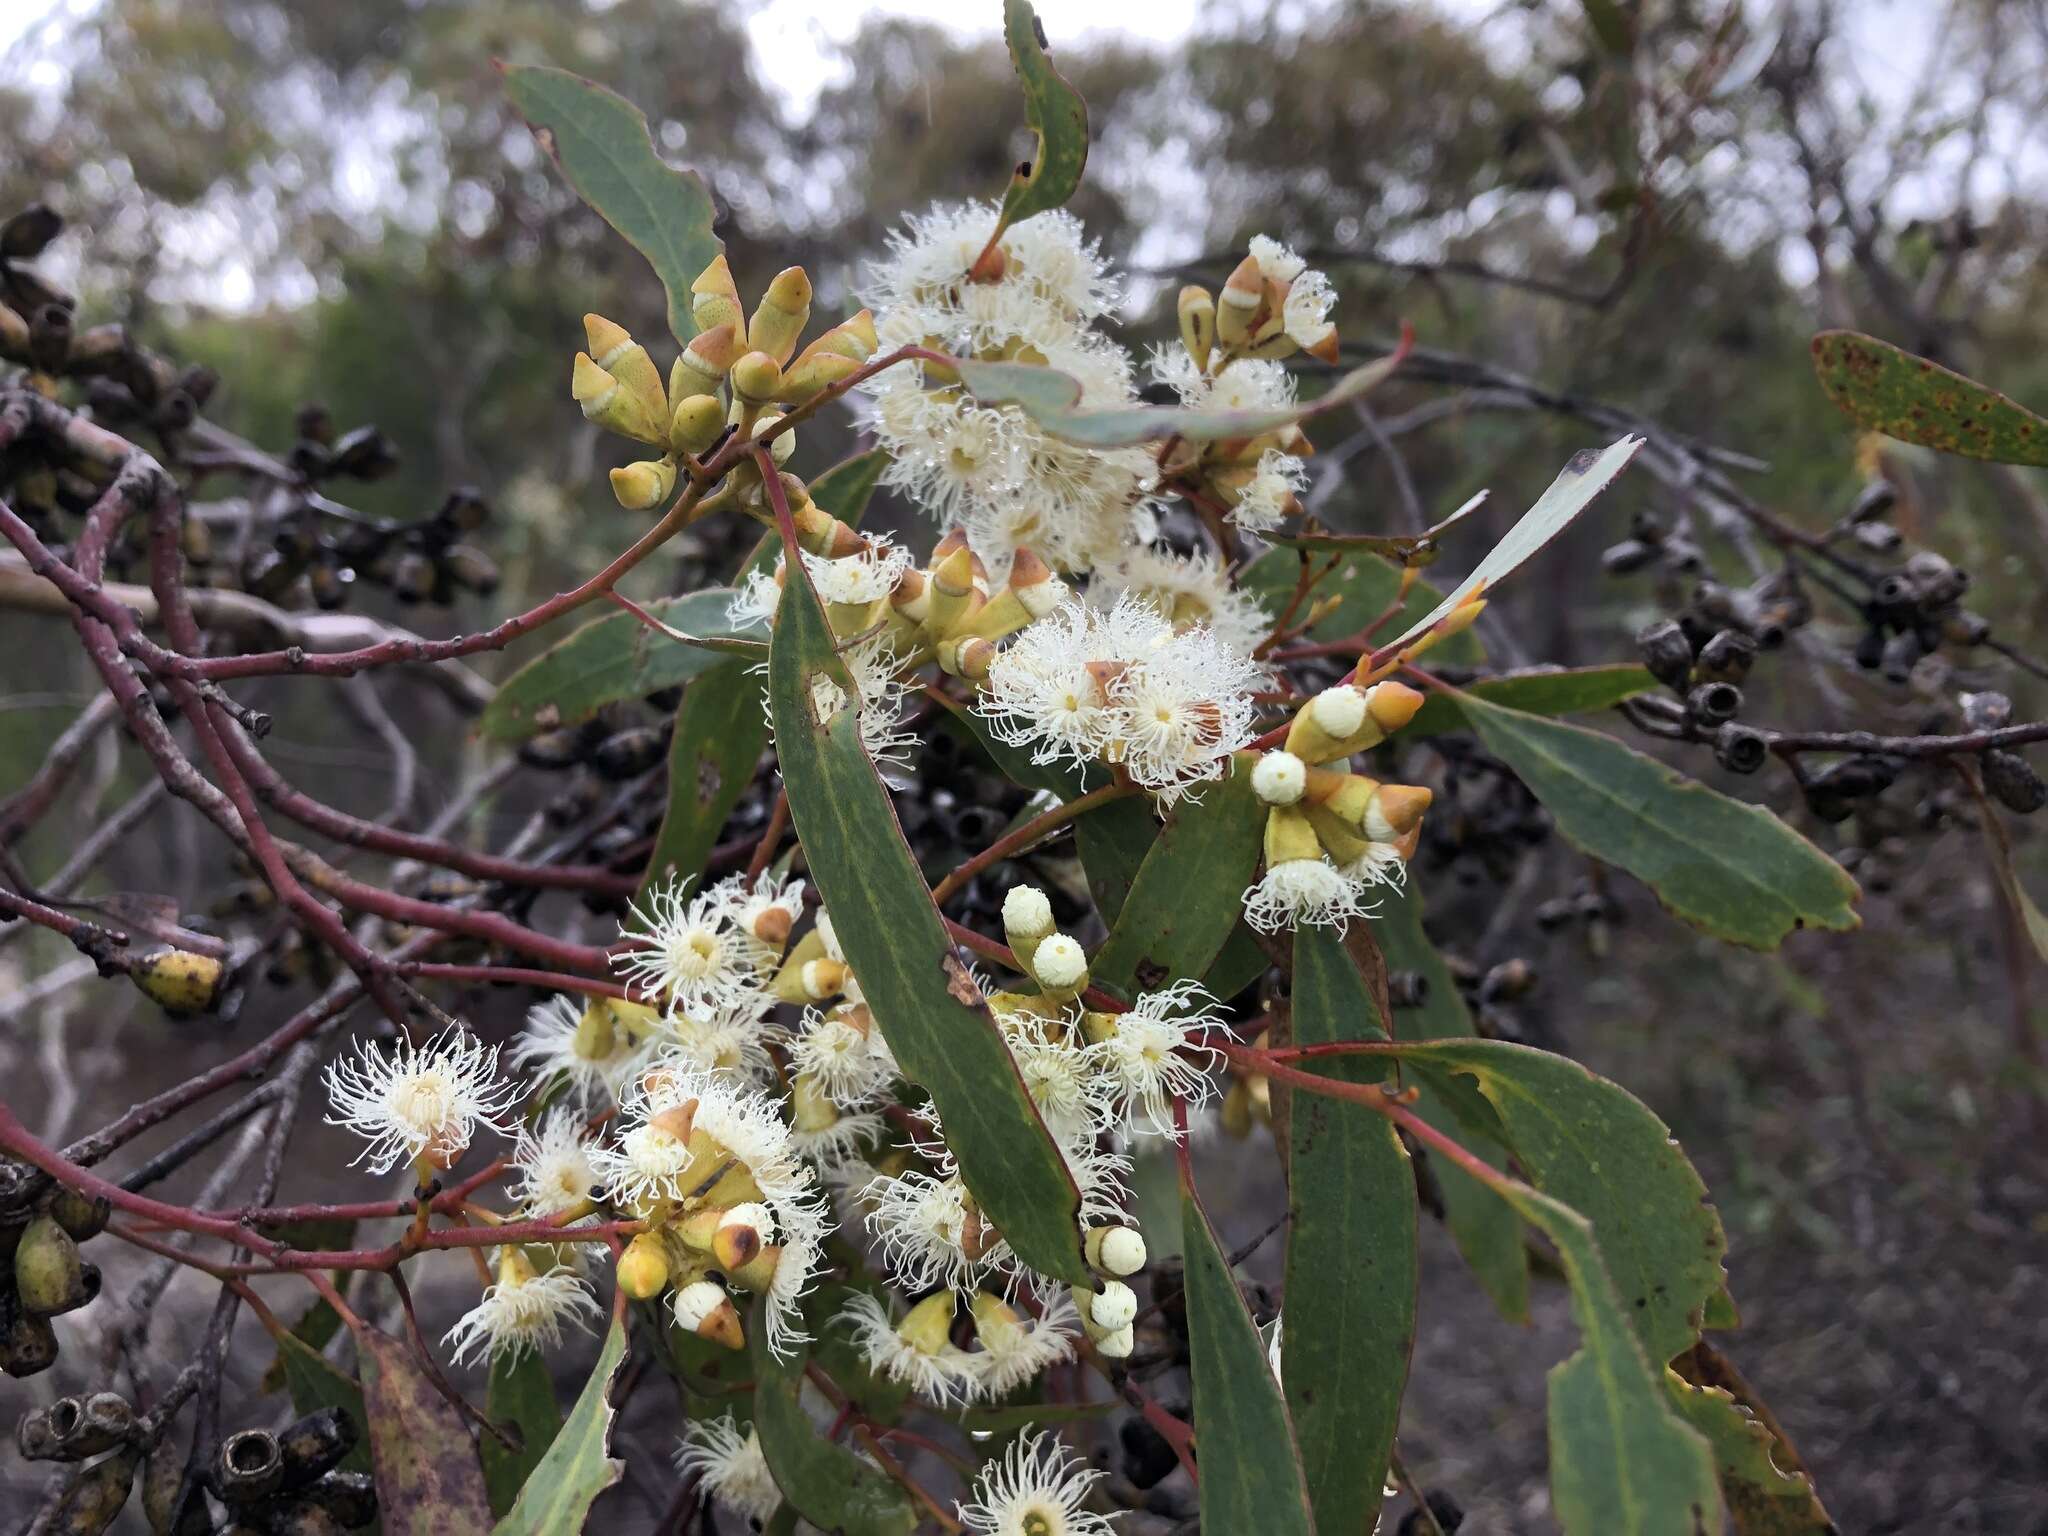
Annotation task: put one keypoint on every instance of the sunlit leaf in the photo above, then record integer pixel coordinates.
(1887, 389)
(823, 1482)
(928, 1005)
(613, 658)
(578, 1465)
(601, 142)
(1730, 869)
(1050, 398)
(1591, 1144)
(1250, 1465)
(1056, 113)
(429, 1482)
(1351, 1252)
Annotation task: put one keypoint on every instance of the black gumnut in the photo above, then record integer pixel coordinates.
(1666, 652)
(1148, 1458)
(1740, 749)
(2013, 779)
(1450, 1516)
(1714, 703)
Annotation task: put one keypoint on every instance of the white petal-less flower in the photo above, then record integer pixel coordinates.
(1015, 1348)
(1303, 893)
(692, 952)
(416, 1102)
(753, 603)
(555, 1164)
(1038, 1488)
(1188, 590)
(1071, 1095)
(923, 1223)
(940, 1377)
(1275, 260)
(842, 1143)
(1305, 315)
(522, 1312)
(1150, 1052)
(866, 577)
(651, 1162)
(1264, 502)
(1246, 384)
(729, 1466)
(553, 1045)
(848, 1063)
(1380, 864)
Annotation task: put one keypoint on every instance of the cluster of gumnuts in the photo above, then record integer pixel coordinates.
(45, 1276)
(959, 805)
(1766, 610)
(288, 1483)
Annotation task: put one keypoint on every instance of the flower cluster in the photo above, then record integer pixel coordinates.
(1037, 296)
(1121, 687)
(1332, 835)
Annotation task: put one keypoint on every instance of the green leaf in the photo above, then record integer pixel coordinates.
(521, 1396)
(1621, 1461)
(825, 1483)
(1251, 1475)
(316, 1325)
(1351, 1252)
(578, 1465)
(613, 658)
(601, 142)
(1887, 389)
(1485, 1231)
(1559, 691)
(720, 733)
(1596, 1147)
(1762, 1498)
(1732, 870)
(928, 1004)
(1585, 476)
(429, 1482)
(1056, 113)
(1049, 398)
(1365, 586)
(314, 1384)
(1186, 898)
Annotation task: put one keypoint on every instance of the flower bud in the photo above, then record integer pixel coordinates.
(741, 1234)
(179, 981)
(926, 1326)
(783, 444)
(643, 1267)
(1027, 918)
(1117, 1344)
(784, 311)
(646, 484)
(758, 1273)
(812, 374)
(1197, 324)
(702, 366)
(81, 1215)
(952, 591)
(756, 377)
(1238, 306)
(1114, 1306)
(1279, 778)
(715, 297)
(1060, 966)
(698, 422)
(48, 1277)
(1115, 1250)
(967, 656)
(608, 404)
(620, 358)
(823, 978)
(703, 1308)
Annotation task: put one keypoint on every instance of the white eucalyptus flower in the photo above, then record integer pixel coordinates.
(1150, 1053)
(917, 1353)
(522, 1311)
(1037, 1488)
(555, 1164)
(420, 1103)
(692, 952)
(729, 1466)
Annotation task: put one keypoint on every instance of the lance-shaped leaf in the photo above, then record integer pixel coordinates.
(938, 1024)
(1621, 1461)
(1251, 1474)
(1733, 870)
(1051, 398)
(720, 733)
(1766, 1486)
(615, 657)
(823, 1482)
(1887, 389)
(428, 1480)
(1188, 893)
(1586, 476)
(1364, 586)
(1351, 1252)
(1560, 691)
(314, 1384)
(1595, 1146)
(578, 1465)
(1056, 113)
(1485, 1231)
(601, 142)
(519, 1397)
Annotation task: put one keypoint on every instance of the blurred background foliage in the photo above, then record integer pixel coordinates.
(1653, 205)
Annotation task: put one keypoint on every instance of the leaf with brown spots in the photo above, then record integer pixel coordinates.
(1888, 389)
(429, 1482)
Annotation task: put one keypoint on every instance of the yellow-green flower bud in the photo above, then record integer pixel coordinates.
(643, 485)
(756, 377)
(715, 297)
(925, 1328)
(1238, 306)
(780, 318)
(48, 1277)
(812, 374)
(697, 424)
(610, 404)
(742, 1232)
(703, 1308)
(643, 1267)
(1115, 1250)
(704, 363)
(1197, 323)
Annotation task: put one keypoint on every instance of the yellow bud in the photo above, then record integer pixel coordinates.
(1289, 836)
(611, 405)
(703, 364)
(1237, 308)
(926, 1326)
(812, 374)
(48, 1276)
(696, 1230)
(643, 1267)
(698, 422)
(646, 484)
(1197, 323)
(180, 981)
(619, 355)
(735, 1244)
(758, 1273)
(784, 311)
(756, 377)
(823, 978)
(1237, 1112)
(1394, 704)
(968, 656)
(715, 297)
(953, 594)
